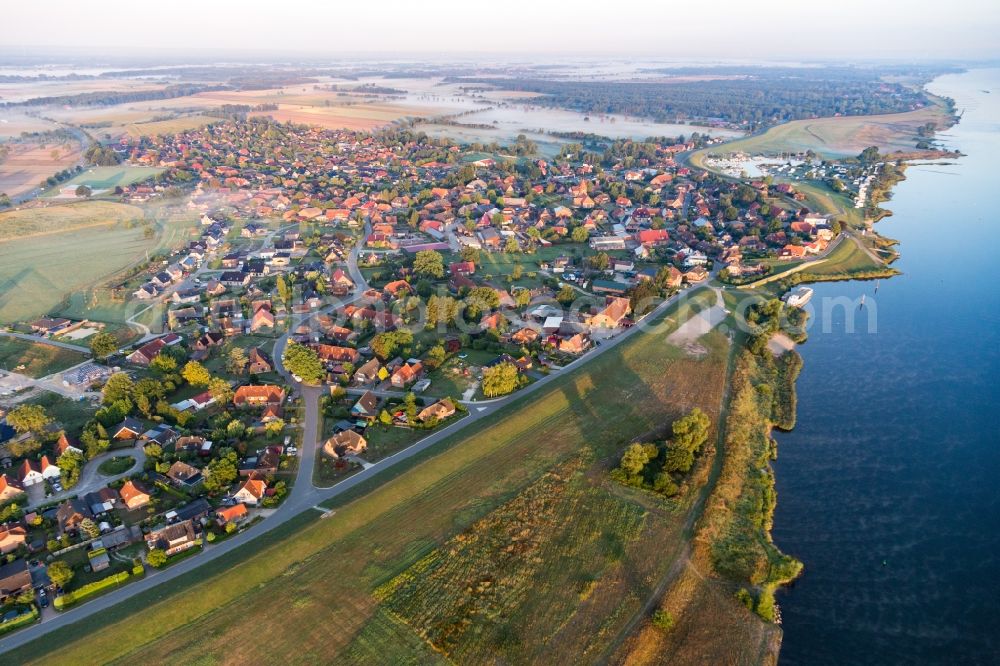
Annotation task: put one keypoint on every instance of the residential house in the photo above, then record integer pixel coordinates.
(406, 374)
(576, 344)
(615, 310)
(260, 362)
(345, 443)
(9, 488)
(231, 514)
(366, 407)
(130, 428)
(174, 539)
(14, 579)
(66, 443)
(134, 495)
(183, 475)
(251, 492)
(258, 396)
(71, 513)
(145, 354)
(12, 537)
(440, 410)
(263, 319)
(368, 372)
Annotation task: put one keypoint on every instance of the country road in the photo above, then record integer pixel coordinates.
(304, 496)
(46, 341)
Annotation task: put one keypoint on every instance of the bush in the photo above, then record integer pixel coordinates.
(21, 620)
(663, 620)
(78, 595)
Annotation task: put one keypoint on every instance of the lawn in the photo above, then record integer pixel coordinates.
(116, 465)
(70, 414)
(846, 258)
(520, 502)
(39, 360)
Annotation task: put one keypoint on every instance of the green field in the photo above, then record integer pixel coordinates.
(110, 177)
(848, 257)
(39, 360)
(435, 564)
(60, 273)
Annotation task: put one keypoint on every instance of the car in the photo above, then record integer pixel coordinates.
(291, 450)
(463, 356)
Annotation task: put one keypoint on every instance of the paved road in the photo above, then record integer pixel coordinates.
(91, 479)
(304, 496)
(46, 341)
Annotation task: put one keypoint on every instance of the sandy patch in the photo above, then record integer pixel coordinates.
(697, 326)
(780, 343)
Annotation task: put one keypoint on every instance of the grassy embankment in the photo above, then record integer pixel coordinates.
(508, 541)
(733, 556)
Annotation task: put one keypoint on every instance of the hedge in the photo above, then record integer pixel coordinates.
(76, 596)
(19, 621)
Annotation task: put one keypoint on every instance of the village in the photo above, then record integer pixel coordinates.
(409, 278)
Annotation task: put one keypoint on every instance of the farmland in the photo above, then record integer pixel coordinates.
(28, 164)
(835, 137)
(434, 564)
(33, 222)
(39, 360)
(99, 179)
(36, 277)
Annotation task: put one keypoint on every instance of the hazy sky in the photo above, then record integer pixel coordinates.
(850, 29)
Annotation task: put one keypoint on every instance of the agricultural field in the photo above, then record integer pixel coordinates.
(102, 179)
(13, 124)
(432, 566)
(171, 126)
(41, 276)
(33, 222)
(843, 136)
(28, 164)
(37, 359)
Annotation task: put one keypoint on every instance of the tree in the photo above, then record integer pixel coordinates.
(303, 362)
(156, 558)
(386, 344)
(220, 474)
(118, 387)
(480, 300)
(385, 417)
(163, 364)
(83, 191)
(221, 391)
(511, 246)
(103, 345)
(429, 263)
(89, 527)
(236, 361)
(283, 291)
(580, 235)
(566, 295)
(501, 379)
(470, 254)
(28, 418)
(274, 428)
(196, 374)
(70, 463)
(60, 573)
(691, 431)
(435, 357)
(636, 457)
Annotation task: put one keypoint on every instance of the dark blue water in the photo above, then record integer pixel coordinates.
(889, 486)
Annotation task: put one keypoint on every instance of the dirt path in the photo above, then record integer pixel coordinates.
(699, 324)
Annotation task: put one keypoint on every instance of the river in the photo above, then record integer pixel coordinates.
(889, 486)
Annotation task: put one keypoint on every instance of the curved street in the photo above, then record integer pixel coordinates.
(304, 496)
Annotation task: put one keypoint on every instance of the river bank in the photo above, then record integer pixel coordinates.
(885, 483)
